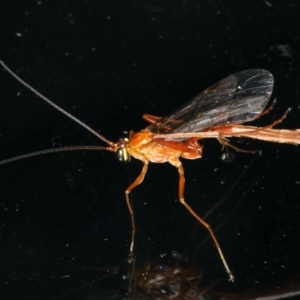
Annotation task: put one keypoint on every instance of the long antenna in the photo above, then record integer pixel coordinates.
(101, 137)
(53, 150)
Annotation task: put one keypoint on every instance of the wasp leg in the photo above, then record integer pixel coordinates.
(137, 181)
(190, 148)
(276, 122)
(151, 119)
(225, 143)
(267, 109)
(200, 220)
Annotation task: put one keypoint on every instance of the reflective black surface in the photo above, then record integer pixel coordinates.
(63, 216)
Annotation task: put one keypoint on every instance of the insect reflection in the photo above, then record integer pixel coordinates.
(167, 278)
(217, 112)
(178, 280)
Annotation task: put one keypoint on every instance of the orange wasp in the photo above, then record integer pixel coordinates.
(217, 112)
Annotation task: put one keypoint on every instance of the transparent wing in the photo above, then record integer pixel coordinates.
(238, 98)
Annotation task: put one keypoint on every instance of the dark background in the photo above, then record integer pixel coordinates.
(63, 217)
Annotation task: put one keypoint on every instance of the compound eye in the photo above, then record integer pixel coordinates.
(122, 154)
(119, 154)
